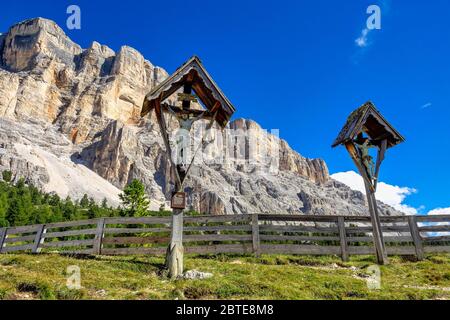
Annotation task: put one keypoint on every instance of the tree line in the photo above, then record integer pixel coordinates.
(21, 203)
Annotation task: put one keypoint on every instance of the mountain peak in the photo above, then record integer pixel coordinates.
(27, 40)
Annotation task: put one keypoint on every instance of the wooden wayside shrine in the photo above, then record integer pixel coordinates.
(367, 128)
(192, 78)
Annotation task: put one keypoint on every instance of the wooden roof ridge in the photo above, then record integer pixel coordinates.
(354, 126)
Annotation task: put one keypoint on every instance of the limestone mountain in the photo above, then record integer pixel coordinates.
(69, 123)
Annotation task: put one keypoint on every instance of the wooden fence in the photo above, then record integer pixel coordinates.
(256, 234)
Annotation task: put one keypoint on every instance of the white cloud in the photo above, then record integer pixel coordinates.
(362, 40)
(387, 193)
(440, 211)
(426, 105)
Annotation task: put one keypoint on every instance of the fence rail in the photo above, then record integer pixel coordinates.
(256, 234)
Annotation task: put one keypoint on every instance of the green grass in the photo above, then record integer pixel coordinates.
(235, 277)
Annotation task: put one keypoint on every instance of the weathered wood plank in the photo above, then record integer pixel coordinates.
(282, 217)
(135, 240)
(436, 239)
(298, 229)
(80, 251)
(71, 224)
(256, 241)
(385, 219)
(402, 228)
(215, 219)
(434, 218)
(217, 237)
(138, 220)
(137, 251)
(343, 238)
(416, 237)
(23, 229)
(436, 249)
(70, 243)
(97, 248)
(397, 239)
(222, 248)
(134, 230)
(299, 249)
(69, 233)
(38, 239)
(265, 237)
(439, 228)
(218, 228)
(3, 233)
(391, 250)
(20, 239)
(17, 248)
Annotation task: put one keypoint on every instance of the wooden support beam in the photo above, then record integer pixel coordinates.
(175, 251)
(39, 239)
(373, 209)
(377, 232)
(255, 235)
(97, 248)
(3, 232)
(164, 133)
(206, 115)
(343, 238)
(186, 104)
(415, 234)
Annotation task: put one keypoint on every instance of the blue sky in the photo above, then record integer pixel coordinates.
(295, 66)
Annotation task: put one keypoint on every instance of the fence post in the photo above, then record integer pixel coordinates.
(38, 240)
(3, 232)
(97, 248)
(343, 238)
(415, 234)
(255, 235)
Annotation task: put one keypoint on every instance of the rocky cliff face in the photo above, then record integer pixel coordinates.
(69, 122)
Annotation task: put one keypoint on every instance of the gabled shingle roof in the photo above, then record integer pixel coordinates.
(376, 125)
(202, 83)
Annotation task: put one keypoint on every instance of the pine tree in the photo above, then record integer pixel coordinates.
(105, 204)
(24, 204)
(134, 200)
(3, 209)
(7, 176)
(84, 202)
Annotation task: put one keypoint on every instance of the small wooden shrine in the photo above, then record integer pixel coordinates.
(366, 128)
(197, 86)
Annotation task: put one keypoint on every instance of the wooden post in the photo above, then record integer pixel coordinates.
(175, 252)
(3, 232)
(38, 240)
(377, 232)
(343, 238)
(417, 239)
(97, 248)
(163, 129)
(373, 210)
(255, 235)
(187, 90)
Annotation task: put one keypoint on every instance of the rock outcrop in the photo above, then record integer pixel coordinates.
(65, 110)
